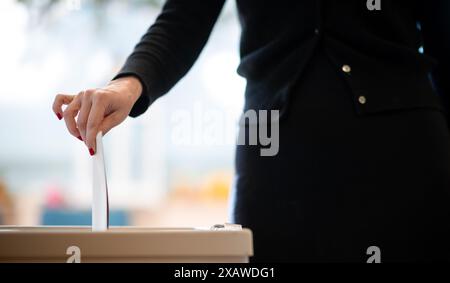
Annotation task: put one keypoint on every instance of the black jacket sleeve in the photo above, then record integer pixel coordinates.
(435, 26)
(170, 47)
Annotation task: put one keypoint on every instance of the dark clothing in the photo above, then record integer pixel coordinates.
(364, 146)
(381, 47)
(341, 183)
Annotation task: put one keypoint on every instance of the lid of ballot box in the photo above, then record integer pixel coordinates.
(36, 242)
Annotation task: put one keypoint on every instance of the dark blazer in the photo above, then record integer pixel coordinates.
(375, 51)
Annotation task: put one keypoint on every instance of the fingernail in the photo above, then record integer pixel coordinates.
(59, 116)
(80, 138)
(91, 151)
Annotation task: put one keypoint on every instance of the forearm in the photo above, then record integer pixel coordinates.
(170, 47)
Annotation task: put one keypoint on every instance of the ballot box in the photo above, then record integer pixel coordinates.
(124, 244)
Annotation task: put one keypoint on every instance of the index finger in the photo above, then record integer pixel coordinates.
(60, 100)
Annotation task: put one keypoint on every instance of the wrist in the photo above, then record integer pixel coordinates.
(133, 85)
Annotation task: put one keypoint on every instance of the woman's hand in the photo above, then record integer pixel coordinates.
(96, 110)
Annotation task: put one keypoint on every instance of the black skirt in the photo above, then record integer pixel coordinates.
(342, 183)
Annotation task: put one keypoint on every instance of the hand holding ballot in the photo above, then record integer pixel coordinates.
(97, 110)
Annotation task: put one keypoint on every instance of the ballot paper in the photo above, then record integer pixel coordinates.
(100, 206)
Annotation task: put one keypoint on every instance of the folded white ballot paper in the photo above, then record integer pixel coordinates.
(100, 206)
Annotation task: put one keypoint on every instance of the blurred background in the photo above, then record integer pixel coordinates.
(173, 166)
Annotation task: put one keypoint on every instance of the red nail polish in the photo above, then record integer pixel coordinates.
(91, 151)
(59, 116)
(80, 138)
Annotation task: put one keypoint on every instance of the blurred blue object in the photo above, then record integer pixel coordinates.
(63, 217)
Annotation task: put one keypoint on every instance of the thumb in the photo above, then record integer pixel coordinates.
(110, 122)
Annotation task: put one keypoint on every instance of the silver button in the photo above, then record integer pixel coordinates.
(362, 99)
(346, 68)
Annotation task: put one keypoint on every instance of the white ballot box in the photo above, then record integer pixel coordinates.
(124, 244)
